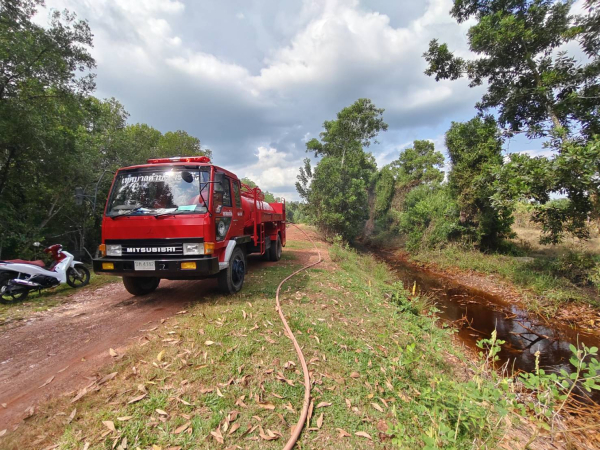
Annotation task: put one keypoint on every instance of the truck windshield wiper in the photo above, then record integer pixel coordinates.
(130, 213)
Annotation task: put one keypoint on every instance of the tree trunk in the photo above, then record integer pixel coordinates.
(12, 150)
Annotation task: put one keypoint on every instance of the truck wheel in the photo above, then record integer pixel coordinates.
(141, 285)
(275, 250)
(231, 279)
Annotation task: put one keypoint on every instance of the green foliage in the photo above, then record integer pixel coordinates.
(384, 191)
(296, 212)
(55, 137)
(577, 267)
(528, 83)
(355, 127)
(448, 413)
(475, 150)
(430, 217)
(419, 164)
(574, 172)
(336, 189)
(534, 88)
(338, 196)
(552, 390)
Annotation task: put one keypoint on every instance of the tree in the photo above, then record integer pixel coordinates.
(336, 190)
(534, 86)
(40, 68)
(356, 127)
(338, 199)
(475, 150)
(419, 164)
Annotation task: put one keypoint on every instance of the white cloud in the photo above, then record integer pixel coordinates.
(274, 171)
(268, 80)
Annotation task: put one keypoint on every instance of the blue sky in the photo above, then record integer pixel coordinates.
(254, 80)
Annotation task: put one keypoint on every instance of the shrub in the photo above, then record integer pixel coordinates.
(430, 218)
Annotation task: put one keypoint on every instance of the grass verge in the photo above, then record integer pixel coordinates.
(224, 375)
(539, 275)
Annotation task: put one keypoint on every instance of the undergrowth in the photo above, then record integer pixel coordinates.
(568, 278)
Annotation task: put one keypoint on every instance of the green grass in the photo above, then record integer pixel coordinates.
(545, 291)
(378, 362)
(48, 298)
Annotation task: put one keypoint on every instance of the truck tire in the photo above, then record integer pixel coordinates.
(231, 279)
(275, 250)
(141, 285)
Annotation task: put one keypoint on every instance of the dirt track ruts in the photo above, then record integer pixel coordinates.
(72, 341)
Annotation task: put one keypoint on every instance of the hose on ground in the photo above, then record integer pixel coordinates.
(304, 413)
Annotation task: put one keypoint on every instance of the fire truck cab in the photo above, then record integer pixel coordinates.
(184, 218)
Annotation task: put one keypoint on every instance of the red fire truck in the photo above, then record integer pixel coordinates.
(184, 218)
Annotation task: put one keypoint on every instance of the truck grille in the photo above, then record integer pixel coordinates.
(144, 248)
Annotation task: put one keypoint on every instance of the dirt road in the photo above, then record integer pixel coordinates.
(57, 351)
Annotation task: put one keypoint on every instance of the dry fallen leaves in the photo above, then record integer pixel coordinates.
(47, 382)
(136, 399)
(182, 428)
(320, 421)
(217, 435)
(355, 375)
(160, 355)
(109, 424)
(342, 433)
(270, 406)
(323, 405)
(377, 407)
(112, 352)
(364, 434)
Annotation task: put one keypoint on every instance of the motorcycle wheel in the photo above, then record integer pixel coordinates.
(13, 297)
(78, 276)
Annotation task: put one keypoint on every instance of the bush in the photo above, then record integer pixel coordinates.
(430, 218)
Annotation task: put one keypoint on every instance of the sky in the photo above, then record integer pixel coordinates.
(254, 80)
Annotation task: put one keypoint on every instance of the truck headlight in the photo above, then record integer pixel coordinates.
(193, 248)
(222, 227)
(114, 250)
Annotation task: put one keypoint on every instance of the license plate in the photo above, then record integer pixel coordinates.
(144, 265)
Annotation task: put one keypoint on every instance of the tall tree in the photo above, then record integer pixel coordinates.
(419, 164)
(475, 150)
(534, 86)
(39, 68)
(356, 127)
(337, 188)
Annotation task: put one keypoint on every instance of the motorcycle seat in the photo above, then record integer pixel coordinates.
(38, 262)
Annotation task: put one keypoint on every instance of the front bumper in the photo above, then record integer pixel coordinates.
(165, 268)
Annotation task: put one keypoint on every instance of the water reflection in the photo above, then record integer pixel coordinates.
(478, 313)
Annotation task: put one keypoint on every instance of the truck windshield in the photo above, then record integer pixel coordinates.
(166, 190)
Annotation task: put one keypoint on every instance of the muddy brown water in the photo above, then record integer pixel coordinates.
(478, 313)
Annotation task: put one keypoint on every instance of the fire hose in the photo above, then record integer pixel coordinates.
(304, 413)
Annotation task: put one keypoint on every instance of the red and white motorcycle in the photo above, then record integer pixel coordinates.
(18, 277)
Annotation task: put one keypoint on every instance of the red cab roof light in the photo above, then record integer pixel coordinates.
(198, 159)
